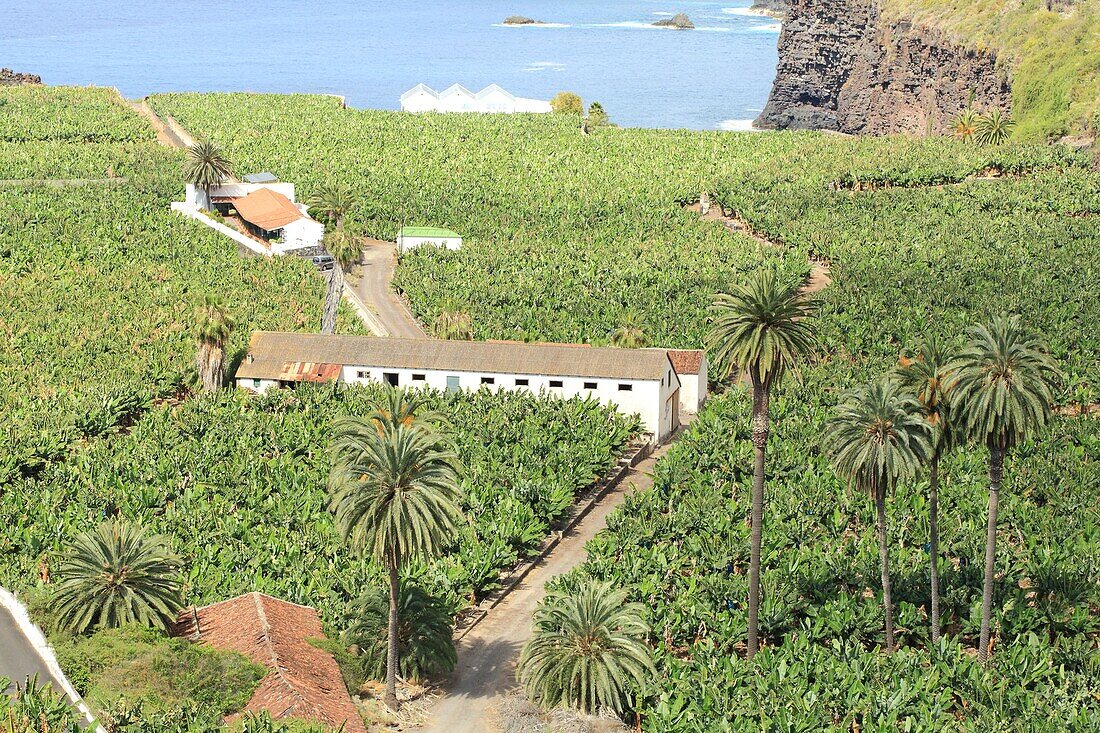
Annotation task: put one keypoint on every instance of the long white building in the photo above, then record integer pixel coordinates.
(641, 382)
(457, 98)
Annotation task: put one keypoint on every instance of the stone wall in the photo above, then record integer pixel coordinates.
(843, 67)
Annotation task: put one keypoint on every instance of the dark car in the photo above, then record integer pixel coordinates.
(324, 262)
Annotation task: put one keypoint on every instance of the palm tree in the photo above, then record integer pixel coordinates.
(335, 200)
(115, 575)
(394, 487)
(345, 250)
(993, 128)
(206, 167)
(965, 124)
(425, 634)
(587, 651)
(928, 377)
(761, 329)
(212, 332)
(629, 334)
(879, 438)
(1003, 396)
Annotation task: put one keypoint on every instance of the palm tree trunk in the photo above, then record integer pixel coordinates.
(391, 651)
(934, 542)
(759, 443)
(884, 559)
(210, 362)
(996, 472)
(332, 299)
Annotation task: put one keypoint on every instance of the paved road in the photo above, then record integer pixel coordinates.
(18, 658)
(372, 285)
(487, 655)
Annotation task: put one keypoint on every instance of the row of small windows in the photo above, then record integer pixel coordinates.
(453, 382)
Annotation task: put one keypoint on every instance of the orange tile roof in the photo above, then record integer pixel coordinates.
(304, 681)
(267, 209)
(686, 361)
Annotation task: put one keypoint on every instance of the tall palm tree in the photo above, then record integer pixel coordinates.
(206, 166)
(762, 329)
(588, 650)
(335, 200)
(211, 334)
(394, 488)
(1003, 397)
(346, 251)
(629, 334)
(928, 376)
(878, 438)
(116, 574)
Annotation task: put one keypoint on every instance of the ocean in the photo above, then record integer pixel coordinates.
(715, 77)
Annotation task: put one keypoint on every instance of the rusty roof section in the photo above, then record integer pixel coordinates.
(271, 354)
(267, 209)
(308, 371)
(686, 361)
(304, 682)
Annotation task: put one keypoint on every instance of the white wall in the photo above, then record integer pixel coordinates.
(420, 101)
(236, 190)
(649, 399)
(406, 243)
(300, 233)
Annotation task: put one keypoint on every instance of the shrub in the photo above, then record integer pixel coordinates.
(567, 103)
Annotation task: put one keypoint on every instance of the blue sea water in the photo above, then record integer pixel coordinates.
(370, 52)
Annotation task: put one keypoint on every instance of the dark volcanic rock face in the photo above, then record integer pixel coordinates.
(9, 78)
(842, 67)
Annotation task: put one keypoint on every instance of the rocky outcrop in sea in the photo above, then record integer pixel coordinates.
(522, 20)
(9, 78)
(844, 67)
(680, 22)
(773, 8)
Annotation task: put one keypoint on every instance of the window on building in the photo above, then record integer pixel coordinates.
(555, 383)
(522, 382)
(590, 385)
(256, 383)
(418, 377)
(452, 384)
(626, 387)
(363, 374)
(488, 380)
(390, 378)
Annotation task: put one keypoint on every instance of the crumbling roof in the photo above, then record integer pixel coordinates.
(304, 682)
(267, 209)
(271, 355)
(686, 361)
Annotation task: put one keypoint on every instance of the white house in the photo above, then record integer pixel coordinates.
(639, 382)
(411, 237)
(457, 98)
(691, 368)
(267, 209)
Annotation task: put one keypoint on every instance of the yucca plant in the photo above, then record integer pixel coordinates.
(630, 334)
(114, 575)
(993, 128)
(588, 650)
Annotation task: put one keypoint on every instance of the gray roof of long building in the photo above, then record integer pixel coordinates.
(270, 352)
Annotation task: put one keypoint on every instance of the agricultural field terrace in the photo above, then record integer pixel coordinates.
(565, 238)
(565, 234)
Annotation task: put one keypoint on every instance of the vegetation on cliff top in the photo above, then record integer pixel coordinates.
(1051, 46)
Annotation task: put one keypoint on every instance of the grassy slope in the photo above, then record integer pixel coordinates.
(1055, 58)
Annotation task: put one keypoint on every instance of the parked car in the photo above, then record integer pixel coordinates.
(323, 262)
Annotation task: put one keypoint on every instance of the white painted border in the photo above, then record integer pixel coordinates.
(38, 640)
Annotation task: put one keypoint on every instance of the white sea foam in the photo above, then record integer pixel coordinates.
(736, 126)
(745, 11)
(641, 25)
(532, 25)
(769, 28)
(544, 66)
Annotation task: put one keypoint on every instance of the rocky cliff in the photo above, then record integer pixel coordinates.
(843, 67)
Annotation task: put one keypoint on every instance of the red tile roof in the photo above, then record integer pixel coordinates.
(304, 681)
(686, 361)
(267, 209)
